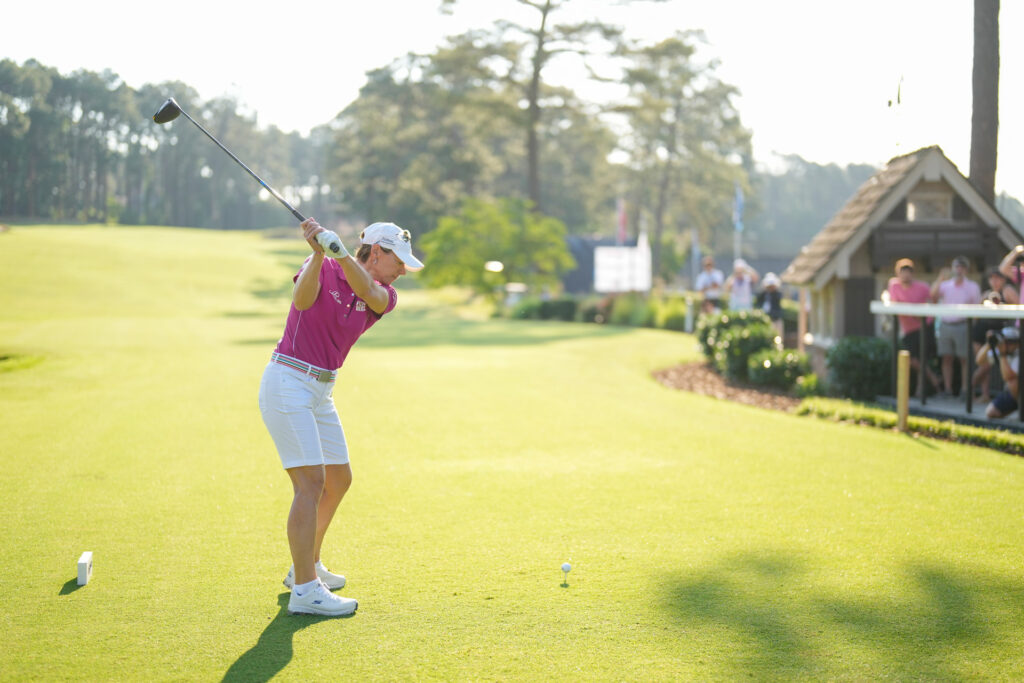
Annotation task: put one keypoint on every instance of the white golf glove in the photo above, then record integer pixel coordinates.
(332, 244)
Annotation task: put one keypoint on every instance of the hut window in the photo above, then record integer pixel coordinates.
(930, 206)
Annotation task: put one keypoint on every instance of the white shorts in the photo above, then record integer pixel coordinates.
(300, 415)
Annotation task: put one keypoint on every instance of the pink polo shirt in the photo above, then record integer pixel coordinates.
(917, 293)
(967, 292)
(323, 333)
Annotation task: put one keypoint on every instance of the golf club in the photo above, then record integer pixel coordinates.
(170, 110)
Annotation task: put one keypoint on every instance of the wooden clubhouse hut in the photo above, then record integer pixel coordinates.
(920, 207)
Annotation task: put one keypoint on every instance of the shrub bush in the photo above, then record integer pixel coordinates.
(562, 308)
(621, 309)
(711, 326)
(594, 310)
(635, 310)
(778, 368)
(860, 367)
(738, 343)
(671, 314)
(808, 385)
(790, 315)
(646, 314)
(526, 309)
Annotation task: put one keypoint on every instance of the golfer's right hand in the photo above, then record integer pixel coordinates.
(310, 229)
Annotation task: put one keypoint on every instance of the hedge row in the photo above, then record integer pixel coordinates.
(636, 310)
(666, 311)
(847, 411)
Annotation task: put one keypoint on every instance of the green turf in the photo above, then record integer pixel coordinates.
(708, 540)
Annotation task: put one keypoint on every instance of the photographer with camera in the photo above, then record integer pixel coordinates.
(1000, 292)
(1002, 348)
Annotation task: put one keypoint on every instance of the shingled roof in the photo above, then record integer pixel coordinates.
(814, 256)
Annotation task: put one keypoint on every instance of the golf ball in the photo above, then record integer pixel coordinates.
(566, 567)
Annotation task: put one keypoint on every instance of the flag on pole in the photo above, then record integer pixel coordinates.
(737, 209)
(620, 210)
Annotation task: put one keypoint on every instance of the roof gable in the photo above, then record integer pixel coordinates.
(828, 253)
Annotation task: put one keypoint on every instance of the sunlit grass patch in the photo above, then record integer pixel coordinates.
(708, 540)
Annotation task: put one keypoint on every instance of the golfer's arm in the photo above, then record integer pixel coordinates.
(364, 286)
(307, 286)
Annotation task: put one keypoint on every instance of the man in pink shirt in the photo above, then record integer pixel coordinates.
(951, 336)
(905, 289)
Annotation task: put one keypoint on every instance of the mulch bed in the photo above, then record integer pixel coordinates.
(700, 378)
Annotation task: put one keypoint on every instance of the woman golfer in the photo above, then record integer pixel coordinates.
(334, 301)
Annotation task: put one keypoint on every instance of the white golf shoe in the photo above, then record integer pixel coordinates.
(333, 581)
(321, 601)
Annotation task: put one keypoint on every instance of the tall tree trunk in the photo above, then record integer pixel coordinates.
(672, 149)
(30, 186)
(533, 113)
(101, 186)
(985, 81)
(659, 217)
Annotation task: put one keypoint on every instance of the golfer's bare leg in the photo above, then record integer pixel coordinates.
(337, 480)
(308, 486)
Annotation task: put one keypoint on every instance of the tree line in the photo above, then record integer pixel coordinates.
(476, 118)
(473, 120)
(83, 147)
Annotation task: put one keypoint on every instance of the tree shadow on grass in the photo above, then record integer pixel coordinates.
(421, 327)
(931, 622)
(274, 649)
(432, 326)
(416, 328)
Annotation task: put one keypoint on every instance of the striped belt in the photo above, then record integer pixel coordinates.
(305, 368)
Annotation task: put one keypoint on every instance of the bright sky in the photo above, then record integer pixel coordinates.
(815, 76)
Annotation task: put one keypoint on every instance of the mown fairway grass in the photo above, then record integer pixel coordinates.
(708, 540)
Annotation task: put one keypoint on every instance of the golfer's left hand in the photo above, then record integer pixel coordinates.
(310, 229)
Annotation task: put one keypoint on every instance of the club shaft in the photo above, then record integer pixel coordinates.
(248, 170)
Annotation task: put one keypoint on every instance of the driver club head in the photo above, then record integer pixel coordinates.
(168, 111)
